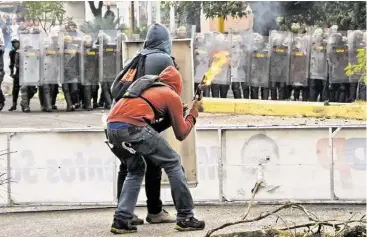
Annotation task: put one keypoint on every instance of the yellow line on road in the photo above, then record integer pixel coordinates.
(285, 108)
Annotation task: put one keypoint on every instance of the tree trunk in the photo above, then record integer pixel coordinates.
(97, 12)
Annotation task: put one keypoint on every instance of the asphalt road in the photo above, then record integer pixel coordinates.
(96, 223)
(87, 119)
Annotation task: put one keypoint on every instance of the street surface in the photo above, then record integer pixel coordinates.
(96, 223)
(87, 119)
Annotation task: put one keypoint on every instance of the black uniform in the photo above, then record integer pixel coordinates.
(14, 65)
(91, 78)
(71, 75)
(2, 74)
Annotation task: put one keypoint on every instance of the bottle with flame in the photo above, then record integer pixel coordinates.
(219, 59)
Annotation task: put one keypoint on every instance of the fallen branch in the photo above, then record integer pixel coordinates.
(262, 216)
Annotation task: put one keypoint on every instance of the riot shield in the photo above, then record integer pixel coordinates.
(318, 65)
(30, 59)
(356, 44)
(259, 62)
(298, 75)
(89, 61)
(280, 45)
(220, 46)
(337, 56)
(240, 55)
(70, 62)
(202, 46)
(52, 52)
(109, 54)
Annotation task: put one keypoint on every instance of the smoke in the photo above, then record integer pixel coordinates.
(265, 16)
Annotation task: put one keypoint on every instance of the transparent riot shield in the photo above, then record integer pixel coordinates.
(337, 56)
(70, 62)
(89, 61)
(280, 45)
(356, 45)
(109, 55)
(52, 51)
(298, 75)
(30, 59)
(318, 65)
(259, 61)
(220, 46)
(239, 54)
(202, 46)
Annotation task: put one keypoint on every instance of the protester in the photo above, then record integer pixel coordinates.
(130, 132)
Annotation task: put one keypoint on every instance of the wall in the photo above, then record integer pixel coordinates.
(209, 25)
(76, 167)
(76, 10)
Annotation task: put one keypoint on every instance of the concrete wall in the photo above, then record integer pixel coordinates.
(313, 164)
(244, 23)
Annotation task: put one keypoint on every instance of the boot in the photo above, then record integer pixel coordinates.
(223, 89)
(69, 104)
(24, 103)
(305, 94)
(255, 93)
(55, 92)
(47, 107)
(246, 91)
(41, 96)
(87, 98)
(264, 93)
(236, 88)
(297, 92)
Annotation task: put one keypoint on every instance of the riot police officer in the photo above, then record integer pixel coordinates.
(2, 73)
(71, 73)
(14, 70)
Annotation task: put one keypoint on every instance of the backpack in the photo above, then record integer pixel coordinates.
(131, 72)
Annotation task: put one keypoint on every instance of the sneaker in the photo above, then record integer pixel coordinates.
(136, 220)
(189, 224)
(163, 217)
(122, 227)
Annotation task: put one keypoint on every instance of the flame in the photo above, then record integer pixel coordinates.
(219, 59)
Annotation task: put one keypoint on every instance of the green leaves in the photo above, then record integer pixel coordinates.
(211, 9)
(46, 12)
(359, 68)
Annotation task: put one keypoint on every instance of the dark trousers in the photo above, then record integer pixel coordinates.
(264, 93)
(278, 88)
(15, 90)
(2, 97)
(153, 178)
(317, 88)
(236, 88)
(297, 92)
(219, 90)
(106, 90)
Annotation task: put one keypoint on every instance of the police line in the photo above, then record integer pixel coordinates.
(312, 64)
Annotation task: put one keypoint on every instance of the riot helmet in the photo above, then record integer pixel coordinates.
(15, 41)
(87, 41)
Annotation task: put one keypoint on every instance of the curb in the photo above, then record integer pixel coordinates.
(355, 110)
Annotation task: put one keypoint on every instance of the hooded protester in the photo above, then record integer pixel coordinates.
(157, 48)
(131, 131)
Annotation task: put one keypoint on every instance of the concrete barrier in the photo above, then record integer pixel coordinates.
(285, 108)
(74, 166)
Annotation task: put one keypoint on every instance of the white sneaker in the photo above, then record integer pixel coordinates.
(163, 217)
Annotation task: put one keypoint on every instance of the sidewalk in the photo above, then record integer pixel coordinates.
(96, 223)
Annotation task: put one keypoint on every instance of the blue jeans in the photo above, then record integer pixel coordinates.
(147, 143)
